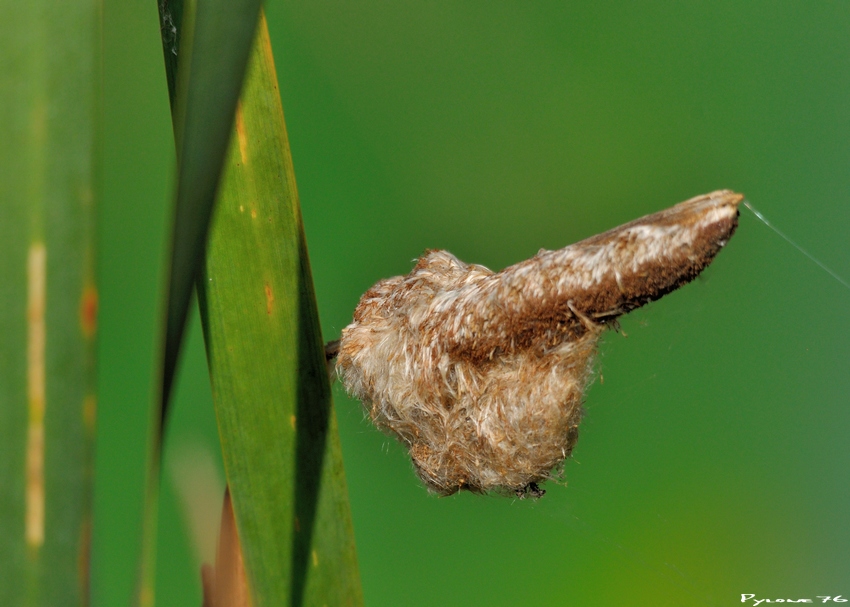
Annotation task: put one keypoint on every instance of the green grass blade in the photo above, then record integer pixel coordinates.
(270, 385)
(211, 47)
(49, 83)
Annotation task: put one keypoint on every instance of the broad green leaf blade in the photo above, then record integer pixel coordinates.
(270, 384)
(49, 84)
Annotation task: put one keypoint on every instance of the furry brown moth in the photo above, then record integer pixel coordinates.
(482, 374)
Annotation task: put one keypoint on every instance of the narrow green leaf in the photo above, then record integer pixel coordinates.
(270, 385)
(50, 86)
(210, 42)
(212, 48)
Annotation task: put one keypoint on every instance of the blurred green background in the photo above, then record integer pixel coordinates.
(713, 459)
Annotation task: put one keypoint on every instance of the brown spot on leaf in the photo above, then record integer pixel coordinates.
(269, 298)
(88, 311)
(241, 134)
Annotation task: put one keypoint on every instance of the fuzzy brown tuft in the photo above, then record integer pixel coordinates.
(482, 375)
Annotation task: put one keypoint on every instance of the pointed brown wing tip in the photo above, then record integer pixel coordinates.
(718, 209)
(717, 197)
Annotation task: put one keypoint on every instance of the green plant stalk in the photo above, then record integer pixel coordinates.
(270, 384)
(50, 86)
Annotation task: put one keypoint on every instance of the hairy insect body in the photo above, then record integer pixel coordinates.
(481, 374)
